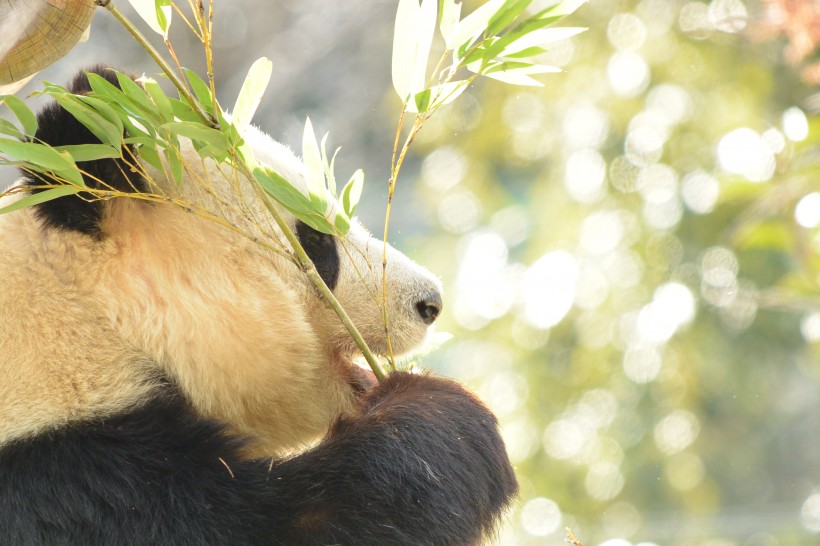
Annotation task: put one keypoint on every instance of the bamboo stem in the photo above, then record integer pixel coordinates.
(304, 262)
(146, 45)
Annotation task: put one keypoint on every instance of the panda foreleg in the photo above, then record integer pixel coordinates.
(421, 462)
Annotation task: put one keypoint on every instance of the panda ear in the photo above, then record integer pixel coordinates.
(57, 127)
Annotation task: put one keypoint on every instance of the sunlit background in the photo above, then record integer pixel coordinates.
(631, 252)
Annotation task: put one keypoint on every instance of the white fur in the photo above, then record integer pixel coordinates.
(88, 325)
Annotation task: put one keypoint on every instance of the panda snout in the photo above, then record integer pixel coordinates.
(429, 307)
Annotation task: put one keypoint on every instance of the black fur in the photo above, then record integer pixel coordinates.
(58, 128)
(420, 463)
(321, 249)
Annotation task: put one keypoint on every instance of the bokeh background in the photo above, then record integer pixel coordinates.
(631, 252)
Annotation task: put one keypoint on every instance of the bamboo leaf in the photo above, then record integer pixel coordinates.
(421, 101)
(46, 157)
(159, 98)
(251, 93)
(312, 158)
(202, 91)
(352, 192)
(471, 27)
(8, 128)
(156, 13)
(198, 132)
(520, 76)
(291, 198)
(404, 46)
(150, 155)
(330, 176)
(175, 163)
(40, 197)
(450, 14)
(22, 112)
(90, 152)
(103, 129)
(540, 38)
(136, 93)
(424, 40)
(506, 15)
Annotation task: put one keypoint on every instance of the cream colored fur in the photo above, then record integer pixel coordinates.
(88, 326)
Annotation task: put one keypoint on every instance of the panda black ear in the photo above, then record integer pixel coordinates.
(57, 127)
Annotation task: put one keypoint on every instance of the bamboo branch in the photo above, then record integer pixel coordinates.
(146, 45)
(303, 261)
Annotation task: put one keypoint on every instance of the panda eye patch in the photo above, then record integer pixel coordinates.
(321, 249)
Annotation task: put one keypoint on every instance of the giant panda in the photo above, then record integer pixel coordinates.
(165, 380)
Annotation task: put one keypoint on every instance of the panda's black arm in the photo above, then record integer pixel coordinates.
(421, 463)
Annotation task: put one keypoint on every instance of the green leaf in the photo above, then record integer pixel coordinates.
(412, 38)
(114, 128)
(175, 162)
(150, 155)
(291, 198)
(197, 131)
(352, 192)
(540, 37)
(8, 128)
(506, 15)
(90, 152)
(35, 153)
(450, 12)
(251, 93)
(526, 53)
(160, 99)
(40, 197)
(183, 111)
(103, 87)
(314, 176)
(404, 46)
(22, 112)
(330, 176)
(421, 100)
(103, 129)
(471, 27)
(561, 9)
(156, 13)
(444, 94)
(136, 93)
(202, 91)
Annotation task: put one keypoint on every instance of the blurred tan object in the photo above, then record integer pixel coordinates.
(799, 22)
(36, 33)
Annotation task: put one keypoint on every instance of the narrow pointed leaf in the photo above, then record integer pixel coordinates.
(540, 38)
(352, 192)
(202, 91)
(404, 46)
(506, 15)
(424, 40)
(90, 152)
(22, 112)
(106, 131)
(314, 172)
(471, 27)
(40, 197)
(421, 101)
(156, 13)
(450, 14)
(251, 93)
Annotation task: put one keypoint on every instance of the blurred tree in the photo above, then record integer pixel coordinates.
(635, 289)
(631, 250)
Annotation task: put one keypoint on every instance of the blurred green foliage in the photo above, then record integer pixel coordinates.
(635, 282)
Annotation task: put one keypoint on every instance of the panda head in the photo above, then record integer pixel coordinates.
(234, 324)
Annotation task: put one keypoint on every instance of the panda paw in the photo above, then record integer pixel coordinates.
(434, 453)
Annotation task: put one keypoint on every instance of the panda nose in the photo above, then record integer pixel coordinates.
(429, 307)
